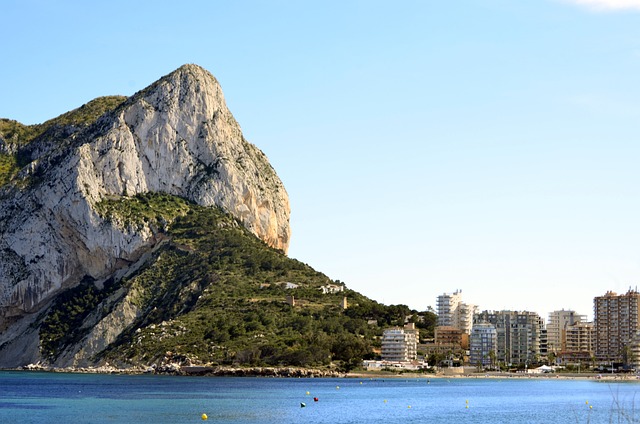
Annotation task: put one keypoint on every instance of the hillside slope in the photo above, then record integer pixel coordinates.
(210, 293)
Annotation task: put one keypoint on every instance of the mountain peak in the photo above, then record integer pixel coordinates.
(191, 73)
(194, 69)
(176, 137)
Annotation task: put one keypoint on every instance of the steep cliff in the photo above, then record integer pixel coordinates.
(176, 137)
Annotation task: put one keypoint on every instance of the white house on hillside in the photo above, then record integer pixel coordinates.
(331, 289)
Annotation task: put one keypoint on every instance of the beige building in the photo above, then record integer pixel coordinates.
(400, 344)
(579, 344)
(634, 351)
(557, 326)
(579, 337)
(451, 337)
(616, 324)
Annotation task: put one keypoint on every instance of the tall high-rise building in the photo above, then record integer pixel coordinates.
(557, 326)
(453, 312)
(447, 305)
(483, 345)
(616, 322)
(520, 336)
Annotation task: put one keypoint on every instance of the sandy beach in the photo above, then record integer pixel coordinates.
(495, 375)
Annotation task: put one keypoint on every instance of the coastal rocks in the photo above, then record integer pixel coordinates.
(176, 136)
(104, 369)
(194, 370)
(285, 372)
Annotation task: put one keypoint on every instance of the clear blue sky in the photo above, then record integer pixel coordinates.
(490, 146)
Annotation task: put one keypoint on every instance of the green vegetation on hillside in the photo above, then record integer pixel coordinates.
(215, 294)
(19, 135)
(155, 209)
(68, 314)
(13, 132)
(88, 113)
(8, 168)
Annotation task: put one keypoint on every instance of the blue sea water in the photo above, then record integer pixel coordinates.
(27, 397)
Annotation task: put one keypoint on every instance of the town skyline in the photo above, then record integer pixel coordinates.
(544, 313)
(523, 337)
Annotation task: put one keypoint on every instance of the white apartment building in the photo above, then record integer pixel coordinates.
(400, 344)
(453, 312)
(559, 322)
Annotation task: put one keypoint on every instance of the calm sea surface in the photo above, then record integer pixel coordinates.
(81, 398)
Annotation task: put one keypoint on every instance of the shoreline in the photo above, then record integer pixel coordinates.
(297, 372)
(193, 371)
(501, 376)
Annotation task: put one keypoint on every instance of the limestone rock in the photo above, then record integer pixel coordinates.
(176, 136)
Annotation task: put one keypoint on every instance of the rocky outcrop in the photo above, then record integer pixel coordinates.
(101, 333)
(176, 136)
(284, 372)
(176, 369)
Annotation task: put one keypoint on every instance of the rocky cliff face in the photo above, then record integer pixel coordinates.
(176, 136)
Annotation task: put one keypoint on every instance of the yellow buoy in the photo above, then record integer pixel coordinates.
(385, 401)
(204, 417)
(590, 407)
(337, 387)
(308, 393)
(586, 402)
(409, 407)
